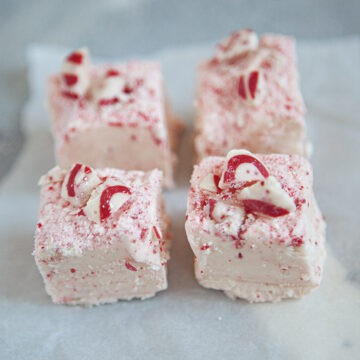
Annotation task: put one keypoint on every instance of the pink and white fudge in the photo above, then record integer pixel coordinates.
(248, 97)
(107, 115)
(102, 235)
(254, 226)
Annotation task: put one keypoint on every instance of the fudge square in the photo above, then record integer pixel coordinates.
(255, 227)
(107, 115)
(248, 97)
(102, 235)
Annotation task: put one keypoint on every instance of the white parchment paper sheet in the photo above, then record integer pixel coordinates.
(187, 321)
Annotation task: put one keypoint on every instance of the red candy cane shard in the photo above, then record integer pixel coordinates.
(75, 58)
(237, 161)
(78, 184)
(70, 184)
(107, 194)
(156, 232)
(253, 83)
(242, 169)
(130, 267)
(251, 87)
(262, 207)
(70, 79)
(106, 199)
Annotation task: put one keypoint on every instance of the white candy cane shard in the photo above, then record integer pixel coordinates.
(210, 183)
(110, 91)
(78, 184)
(242, 169)
(238, 43)
(105, 200)
(251, 87)
(56, 174)
(266, 58)
(267, 197)
(230, 217)
(75, 74)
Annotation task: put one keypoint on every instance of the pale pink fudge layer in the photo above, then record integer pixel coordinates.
(224, 121)
(83, 262)
(252, 256)
(134, 134)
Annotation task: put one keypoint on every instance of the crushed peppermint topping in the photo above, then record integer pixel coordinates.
(106, 199)
(75, 74)
(258, 191)
(267, 197)
(79, 182)
(251, 87)
(110, 90)
(237, 44)
(242, 169)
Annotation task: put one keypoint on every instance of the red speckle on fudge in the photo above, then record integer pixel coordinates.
(297, 241)
(112, 72)
(130, 267)
(107, 102)
(156, 232)
(70, 95)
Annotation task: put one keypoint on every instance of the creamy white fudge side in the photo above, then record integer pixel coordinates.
(255, 227)
(102, 235)
(106, 115)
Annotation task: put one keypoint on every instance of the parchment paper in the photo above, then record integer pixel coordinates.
(188, 321)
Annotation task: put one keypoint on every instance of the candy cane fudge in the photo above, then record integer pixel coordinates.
(254, 226)
(248, 97)
(112, 115)
(102, 235)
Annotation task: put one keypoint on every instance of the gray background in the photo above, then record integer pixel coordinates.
(124, 27)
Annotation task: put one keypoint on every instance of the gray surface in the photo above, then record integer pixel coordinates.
(124, 27)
